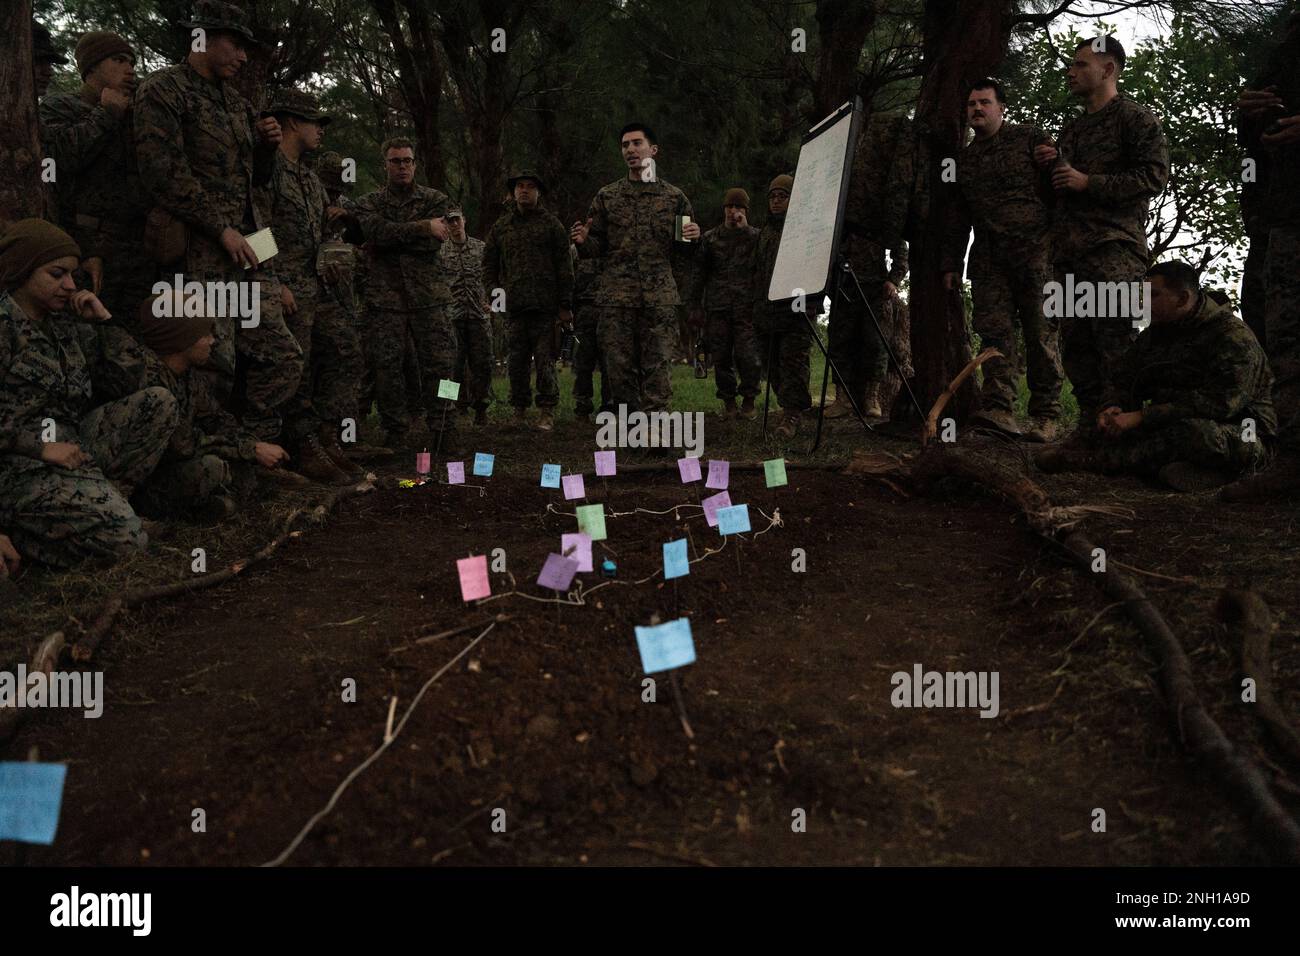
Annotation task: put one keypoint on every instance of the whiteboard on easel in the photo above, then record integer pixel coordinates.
(811, 235)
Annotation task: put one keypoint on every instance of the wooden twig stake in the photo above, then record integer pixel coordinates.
(932, 420)
(1248, 617)
(388, 728)
(681, 705)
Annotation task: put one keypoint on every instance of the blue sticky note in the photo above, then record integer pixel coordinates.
(666, 646)
(483, 463)
(734, 519)
(30, 797)
(550, 476)
(676, 564)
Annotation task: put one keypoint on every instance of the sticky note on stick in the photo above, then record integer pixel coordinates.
(483, 463)
(666, 646)
(774, 472)
(733, 520)
(455, 473)
(591, 521)
(573, 487)
(581, 549)
(606, 464)
(30, 797)
(473, 573)
(713, 504)
(550, 476)
(557, 573)
(689, 469)
(448, 389)
(719, 474)
(676, 563)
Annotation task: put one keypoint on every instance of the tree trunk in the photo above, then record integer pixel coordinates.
(419, 73)
(963, 40)
(21, 193)
(842, 28)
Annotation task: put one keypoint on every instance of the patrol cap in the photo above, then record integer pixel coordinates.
(43, 48)
(784, 181)
(736, 197)
(455, 210)
(219, 15)
(297, 103)
(526, 174)
(329, 169)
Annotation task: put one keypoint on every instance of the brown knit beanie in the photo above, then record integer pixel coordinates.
(27, 245)
(783, 181)
(94, 48)
(166, 334)
(736, 197)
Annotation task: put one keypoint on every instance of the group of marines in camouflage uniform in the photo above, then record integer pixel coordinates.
(168, 407)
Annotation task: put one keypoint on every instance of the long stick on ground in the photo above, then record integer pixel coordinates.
(1248, 617)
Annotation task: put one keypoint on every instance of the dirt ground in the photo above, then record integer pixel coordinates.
(230, 700)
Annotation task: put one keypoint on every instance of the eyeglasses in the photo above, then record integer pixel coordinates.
(453, 218)
(404, 161)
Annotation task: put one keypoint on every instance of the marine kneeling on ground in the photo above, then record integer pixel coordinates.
(208, 465)
(1193, 402)
(67, 468)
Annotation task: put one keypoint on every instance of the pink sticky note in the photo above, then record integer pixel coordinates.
(605, 464)
(581, 545)
(719, 473)
(557, 573)
(473, 577)
(422, 465)
(712, 504)
(689, 469)
(455, 473)
(573, 487)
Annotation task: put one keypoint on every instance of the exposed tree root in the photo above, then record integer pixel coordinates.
(1248, 617)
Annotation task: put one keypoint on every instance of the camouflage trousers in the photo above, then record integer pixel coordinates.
(474, 361)
(257, 368)
(729, 340)
(1200, 441)
(785, 358)
(183, 484)
(1007, 294)
(1091, 348)
(638, 347)
(585, 360)
(1254, 287)
(898, 326)
(531, 337)
(435, 353)
(331, 366)
(61, 517)
(128, 276)
(854, 345)
(1282, 323)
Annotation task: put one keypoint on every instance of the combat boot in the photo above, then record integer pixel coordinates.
(329, 443)
(1041, 430)
(1279, 482)
(729, 408)
(315, 464)
(1058, 458)
(1186, 476)
(996, 419)
(217, 508)
(545, 420)
(789, 425)
(871, 402)
(284, 477)
(840, 408)
(747, 410)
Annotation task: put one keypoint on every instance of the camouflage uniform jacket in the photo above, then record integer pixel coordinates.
(1278, 172)
(298, 203)
(95, 167)
(882, 184)
(43, 374)
(632, 229)
(1122, 149)
(198, 156)
(404, 272)
(1001, 193)
(463, 264)
(770, 316)
(203, 427)
(586, 272)
(527, 254)
(1208, 365)
(724, 268)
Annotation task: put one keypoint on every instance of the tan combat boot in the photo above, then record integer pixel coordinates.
(329, 443)
(315, 464)
(545, 420)
(729, 408)
(747, 410)
(840, 408)
(871, 402)
(789, 425)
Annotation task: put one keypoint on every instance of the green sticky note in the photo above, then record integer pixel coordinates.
(775, 472)
(448, 389)
(591, 521)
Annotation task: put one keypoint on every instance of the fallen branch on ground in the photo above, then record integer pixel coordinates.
(1248, 617)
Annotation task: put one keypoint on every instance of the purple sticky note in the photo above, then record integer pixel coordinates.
(712, 504)
(605, 464)
(581, 545)
(719, 473)
(473, 577)
(557, 573)
(455, 473)
(573, 487)
(689, 469)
